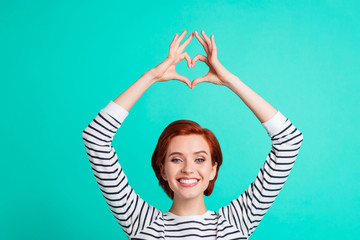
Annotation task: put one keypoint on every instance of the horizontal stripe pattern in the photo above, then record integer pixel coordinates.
(139, 220)
(249, 208)
(130, 211)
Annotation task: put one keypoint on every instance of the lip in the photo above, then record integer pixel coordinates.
(188, 184)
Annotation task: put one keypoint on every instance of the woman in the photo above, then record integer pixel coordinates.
(187, 159)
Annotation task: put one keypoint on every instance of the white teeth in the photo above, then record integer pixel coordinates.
(188, 181)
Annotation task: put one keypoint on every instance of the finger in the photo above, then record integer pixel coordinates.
(207, 40)
(202, 42)
(198, 57)
(198, 80)
(178, 41)
(182, 79)
(214, 48)
(187, 41)
(187, 57)
(174, 40)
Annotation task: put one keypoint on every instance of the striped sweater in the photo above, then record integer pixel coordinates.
(139, 220)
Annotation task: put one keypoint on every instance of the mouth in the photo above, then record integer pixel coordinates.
(188, 182)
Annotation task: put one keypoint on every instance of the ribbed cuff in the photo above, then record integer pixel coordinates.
(116, 111)
(274, 124)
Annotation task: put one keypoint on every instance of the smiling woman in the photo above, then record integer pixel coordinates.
(177, 154)
(187, 179)
(187, 159)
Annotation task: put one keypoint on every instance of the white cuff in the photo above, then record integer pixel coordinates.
(274, 124)
(116, 111)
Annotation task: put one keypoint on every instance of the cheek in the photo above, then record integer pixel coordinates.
(170, 171)
(206, 172)
(209, 172)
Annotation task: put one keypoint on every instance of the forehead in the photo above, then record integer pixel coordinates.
(188, 143)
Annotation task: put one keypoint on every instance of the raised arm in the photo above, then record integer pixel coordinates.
(165, 71)
(131, 212)
(219, 75)
(246, 212)
(127, 206)
(249, 208)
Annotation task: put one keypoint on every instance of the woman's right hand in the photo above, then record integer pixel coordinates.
(166, 69)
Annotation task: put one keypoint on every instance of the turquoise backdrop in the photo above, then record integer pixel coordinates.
(63, 61)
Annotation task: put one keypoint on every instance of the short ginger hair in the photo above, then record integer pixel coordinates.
(184, 127)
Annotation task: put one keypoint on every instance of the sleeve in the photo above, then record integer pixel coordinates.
(131, 212)
(249, 208)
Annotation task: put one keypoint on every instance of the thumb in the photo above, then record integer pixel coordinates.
(182, 79)
(198, 80)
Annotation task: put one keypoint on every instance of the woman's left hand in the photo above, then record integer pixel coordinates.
(217, 74)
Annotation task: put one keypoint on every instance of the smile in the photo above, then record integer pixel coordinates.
(186, 182)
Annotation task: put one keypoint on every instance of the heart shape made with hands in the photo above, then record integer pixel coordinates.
(216, 70)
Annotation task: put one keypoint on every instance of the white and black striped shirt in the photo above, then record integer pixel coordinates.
(139, 220)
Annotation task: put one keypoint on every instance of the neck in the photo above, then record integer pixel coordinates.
(188, 207)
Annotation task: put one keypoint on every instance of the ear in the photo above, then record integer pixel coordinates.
(213, 171)
(162, 171)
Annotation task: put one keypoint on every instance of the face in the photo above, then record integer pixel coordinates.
(188, 168)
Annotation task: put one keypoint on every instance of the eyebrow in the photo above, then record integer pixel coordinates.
(173, 153)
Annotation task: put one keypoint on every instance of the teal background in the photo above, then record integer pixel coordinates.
(63, 61)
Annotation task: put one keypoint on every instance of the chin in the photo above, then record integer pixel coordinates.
(190, 195)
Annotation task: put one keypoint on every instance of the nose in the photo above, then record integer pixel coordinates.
(187, 167)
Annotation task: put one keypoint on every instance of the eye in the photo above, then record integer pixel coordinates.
(175, 160)
(200, 159)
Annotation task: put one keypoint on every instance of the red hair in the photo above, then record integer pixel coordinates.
(184, 127)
